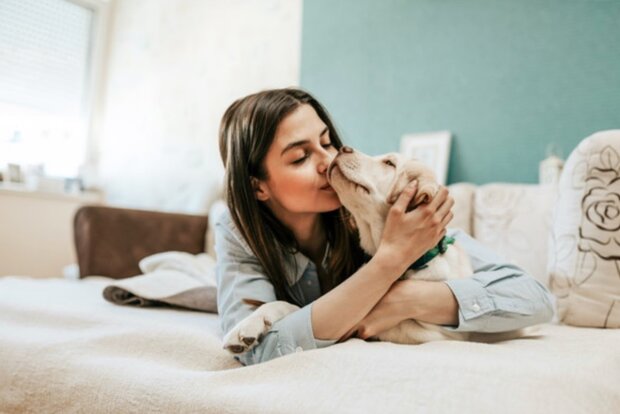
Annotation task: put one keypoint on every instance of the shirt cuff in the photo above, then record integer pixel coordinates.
(293, 333)
(477, 306)
(298, 327)
(474, 301)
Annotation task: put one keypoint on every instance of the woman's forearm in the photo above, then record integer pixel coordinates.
(429, 301)
(336, 312)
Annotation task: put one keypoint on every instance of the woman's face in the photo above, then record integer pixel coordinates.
(296, 163)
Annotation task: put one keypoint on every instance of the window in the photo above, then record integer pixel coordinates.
(47, 49)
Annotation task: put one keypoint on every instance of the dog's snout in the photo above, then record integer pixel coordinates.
(345, 149)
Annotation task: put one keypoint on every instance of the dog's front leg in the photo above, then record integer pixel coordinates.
(248, 332)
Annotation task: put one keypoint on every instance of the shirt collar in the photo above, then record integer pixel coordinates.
(297, 263)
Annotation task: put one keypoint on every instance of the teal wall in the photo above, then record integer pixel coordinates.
(506, 77)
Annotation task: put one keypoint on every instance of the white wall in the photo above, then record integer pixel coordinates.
(172, 68)
(36, 232)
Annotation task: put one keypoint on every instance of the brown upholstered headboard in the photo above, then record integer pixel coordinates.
(111, 241)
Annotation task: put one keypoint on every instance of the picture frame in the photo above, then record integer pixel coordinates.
(432, 148)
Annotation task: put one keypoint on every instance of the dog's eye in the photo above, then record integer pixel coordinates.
(390, 163)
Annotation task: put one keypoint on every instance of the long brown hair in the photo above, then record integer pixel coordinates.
(247, 130)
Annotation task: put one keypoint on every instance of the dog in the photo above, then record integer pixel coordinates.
(367, 186)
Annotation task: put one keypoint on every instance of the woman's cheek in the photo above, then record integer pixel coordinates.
(295, 182)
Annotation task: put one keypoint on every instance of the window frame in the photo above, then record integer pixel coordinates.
(95, 82)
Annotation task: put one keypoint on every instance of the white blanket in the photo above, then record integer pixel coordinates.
(173, 278)
(64, 349)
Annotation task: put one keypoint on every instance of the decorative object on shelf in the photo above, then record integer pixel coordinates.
(15, 174)
(550, 168)
(432, 148)
(73, 185)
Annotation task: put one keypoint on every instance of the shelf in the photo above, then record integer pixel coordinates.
(21, 190)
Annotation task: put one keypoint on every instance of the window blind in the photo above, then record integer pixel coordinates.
(44, 54)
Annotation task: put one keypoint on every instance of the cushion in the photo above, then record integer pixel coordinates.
(463, 195)
(111, 241)
(584, 261)
(514, 220)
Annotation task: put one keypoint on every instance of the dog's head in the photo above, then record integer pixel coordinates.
(367, 186)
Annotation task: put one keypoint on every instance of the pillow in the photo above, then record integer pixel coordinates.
(584, 258)
(463, 195)
(514, 220)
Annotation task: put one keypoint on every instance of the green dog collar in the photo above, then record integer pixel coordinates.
(441, 248)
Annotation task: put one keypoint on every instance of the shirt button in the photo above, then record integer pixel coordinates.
(299, 349)
(475, 307)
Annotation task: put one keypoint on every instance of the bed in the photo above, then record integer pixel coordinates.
(63, 348)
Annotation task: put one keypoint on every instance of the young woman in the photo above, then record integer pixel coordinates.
(286, 236)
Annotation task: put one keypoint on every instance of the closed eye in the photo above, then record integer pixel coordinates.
(302, 159)
(390, 163)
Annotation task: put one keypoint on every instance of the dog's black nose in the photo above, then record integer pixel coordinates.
(346, 149)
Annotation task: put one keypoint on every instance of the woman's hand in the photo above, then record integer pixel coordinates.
(408, 235)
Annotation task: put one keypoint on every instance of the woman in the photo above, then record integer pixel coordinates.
(286, 236)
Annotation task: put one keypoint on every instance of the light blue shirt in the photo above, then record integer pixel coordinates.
(498, 297)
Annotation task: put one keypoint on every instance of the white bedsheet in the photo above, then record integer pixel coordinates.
(63, 348)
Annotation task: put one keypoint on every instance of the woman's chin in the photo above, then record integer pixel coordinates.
(332, 204)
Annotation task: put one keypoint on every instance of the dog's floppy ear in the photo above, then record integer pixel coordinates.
(408, 171)
(403, 177)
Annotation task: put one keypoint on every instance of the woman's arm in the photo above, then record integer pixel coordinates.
(498, 297)
(336, 312)
(431, 302)
(426, 301)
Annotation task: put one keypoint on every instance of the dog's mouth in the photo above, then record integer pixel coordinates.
(334, 167)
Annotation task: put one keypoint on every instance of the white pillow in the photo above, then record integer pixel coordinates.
(584, 261)
(463, 195)
(514, 221)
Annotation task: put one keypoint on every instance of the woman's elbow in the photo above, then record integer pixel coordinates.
(547, 310)
(545, 304)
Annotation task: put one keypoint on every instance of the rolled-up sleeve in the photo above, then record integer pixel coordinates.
(499, 296)
(240, 276)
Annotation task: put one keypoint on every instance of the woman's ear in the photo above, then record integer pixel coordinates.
(261, 192)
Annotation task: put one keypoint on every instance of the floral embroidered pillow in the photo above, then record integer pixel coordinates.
(584, 258)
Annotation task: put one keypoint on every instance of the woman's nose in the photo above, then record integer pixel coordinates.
(327, 159)
(345, 149)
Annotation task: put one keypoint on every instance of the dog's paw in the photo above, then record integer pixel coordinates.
(247, 334)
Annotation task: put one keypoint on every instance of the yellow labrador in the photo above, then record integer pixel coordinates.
(367, 186)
